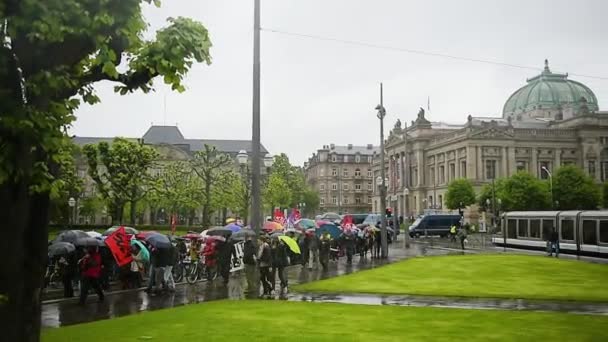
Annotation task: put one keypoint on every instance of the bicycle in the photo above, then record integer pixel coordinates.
(199, 271)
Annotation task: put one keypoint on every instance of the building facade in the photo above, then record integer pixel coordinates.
(549, 122)
(171, 146)
(343, 177)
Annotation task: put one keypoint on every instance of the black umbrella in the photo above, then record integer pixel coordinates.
(276, 235)
(128, 230)
(88, 242)
(219, 231)
(70, 236)
(61, 248)
(244, 233)
(158, 240)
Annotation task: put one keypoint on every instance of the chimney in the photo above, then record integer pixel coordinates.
(370, 146)
(332, 146)
(350, 146)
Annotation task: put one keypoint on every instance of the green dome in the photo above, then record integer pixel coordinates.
(549, 91)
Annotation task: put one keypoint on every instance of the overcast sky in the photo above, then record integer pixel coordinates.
(320, 92)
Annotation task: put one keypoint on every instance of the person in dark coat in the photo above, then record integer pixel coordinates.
(225, 251)
(90, 267)
(68, 269)
(249, 260)
(324, 250)
(264, 258)
(348, 242)
(280, 261)
(554, 243)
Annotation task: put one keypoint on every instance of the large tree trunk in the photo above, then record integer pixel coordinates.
(25, 219)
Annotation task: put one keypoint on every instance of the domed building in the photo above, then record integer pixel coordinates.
(549, 122)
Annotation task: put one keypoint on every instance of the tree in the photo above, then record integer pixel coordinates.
(121, 173)
(277, 192)
(52, 54)
(179, 189)
(209, 164)
(460, 194)
(573, 189)
(522, 191)
(311, 198)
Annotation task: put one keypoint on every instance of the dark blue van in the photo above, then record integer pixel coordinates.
(433, 225)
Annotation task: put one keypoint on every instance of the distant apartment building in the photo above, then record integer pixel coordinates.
(343, 177)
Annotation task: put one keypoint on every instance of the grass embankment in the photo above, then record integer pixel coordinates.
(299, 321)
(482, 275)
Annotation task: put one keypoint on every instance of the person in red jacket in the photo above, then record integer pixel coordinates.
(90, 268)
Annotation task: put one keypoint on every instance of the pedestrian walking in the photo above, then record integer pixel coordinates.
(280, 260)
(67, 269)
(90, 267)
(348, 242)
(462, 234)
(264, 262)
(324, 250)
(225, 251)
(249, 259)
(453, 231)
(554, 243)
(170, 262)
(313, 250)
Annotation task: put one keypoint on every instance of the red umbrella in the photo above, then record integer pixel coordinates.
(272, 226)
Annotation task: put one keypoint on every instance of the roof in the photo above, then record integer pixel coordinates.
(549, 91)
(171, 135)
(352, 149)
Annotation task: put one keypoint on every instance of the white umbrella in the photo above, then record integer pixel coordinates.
(94, 234)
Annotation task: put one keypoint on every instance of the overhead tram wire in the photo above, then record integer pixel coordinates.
(419, 52)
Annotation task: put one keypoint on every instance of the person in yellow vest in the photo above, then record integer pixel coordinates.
(453, 233)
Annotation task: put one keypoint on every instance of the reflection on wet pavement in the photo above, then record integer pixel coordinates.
(456, 302)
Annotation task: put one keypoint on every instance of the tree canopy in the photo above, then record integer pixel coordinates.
(460, 194)
(573, 189)
(521, 191)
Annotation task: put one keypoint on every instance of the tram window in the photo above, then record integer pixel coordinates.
(548, 226)
(604, 231)
(522, 228)
(590, 232)
(567, 228)
(512, 229)
(535, 229)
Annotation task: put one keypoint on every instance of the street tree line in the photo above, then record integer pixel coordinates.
(131, 179)
(569, 189)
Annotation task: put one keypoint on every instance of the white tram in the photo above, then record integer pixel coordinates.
(580, 232)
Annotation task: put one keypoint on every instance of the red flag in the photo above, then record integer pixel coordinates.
(278, 216)
(120, 246)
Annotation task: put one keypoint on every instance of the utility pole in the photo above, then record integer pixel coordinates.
(384, 239)
(256, 218)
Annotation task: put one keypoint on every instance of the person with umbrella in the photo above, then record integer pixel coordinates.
(280, 260)
(225, 250)
(313, 249)
(90, 266)
(348, 242)
(264, 262)
(325, 249)
(249, 259)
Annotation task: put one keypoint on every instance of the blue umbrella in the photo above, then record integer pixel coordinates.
(332, 229)
(233, 227)
(143, 248)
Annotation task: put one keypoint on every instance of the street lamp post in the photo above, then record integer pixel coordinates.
(242, 158)
(550, 183)
(72, 204)
(256, 200)
(384, 239)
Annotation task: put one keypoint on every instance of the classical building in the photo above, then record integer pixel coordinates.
(171, 146)
(343, 177)
(549, 122)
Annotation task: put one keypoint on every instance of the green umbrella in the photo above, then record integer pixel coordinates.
(143, 248)
(291, 243)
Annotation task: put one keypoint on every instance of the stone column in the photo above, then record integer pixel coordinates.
(479, 151)
(457, 163)
(470, 158)
(511, 159)
(558, 159)
(420, 160)
(504, 162)
(435, 174)
(534, 166)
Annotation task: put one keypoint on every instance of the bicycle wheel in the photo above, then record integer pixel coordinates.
(178, 272)
(192, 274)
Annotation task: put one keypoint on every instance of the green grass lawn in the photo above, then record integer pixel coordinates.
(482, 275)
(300, 321)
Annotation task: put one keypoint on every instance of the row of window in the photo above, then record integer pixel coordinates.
(593, 231)
(345, 200)
(346, 187)
(345, 173)
(346, 159)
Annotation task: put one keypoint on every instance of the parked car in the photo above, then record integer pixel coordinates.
(433, 225)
